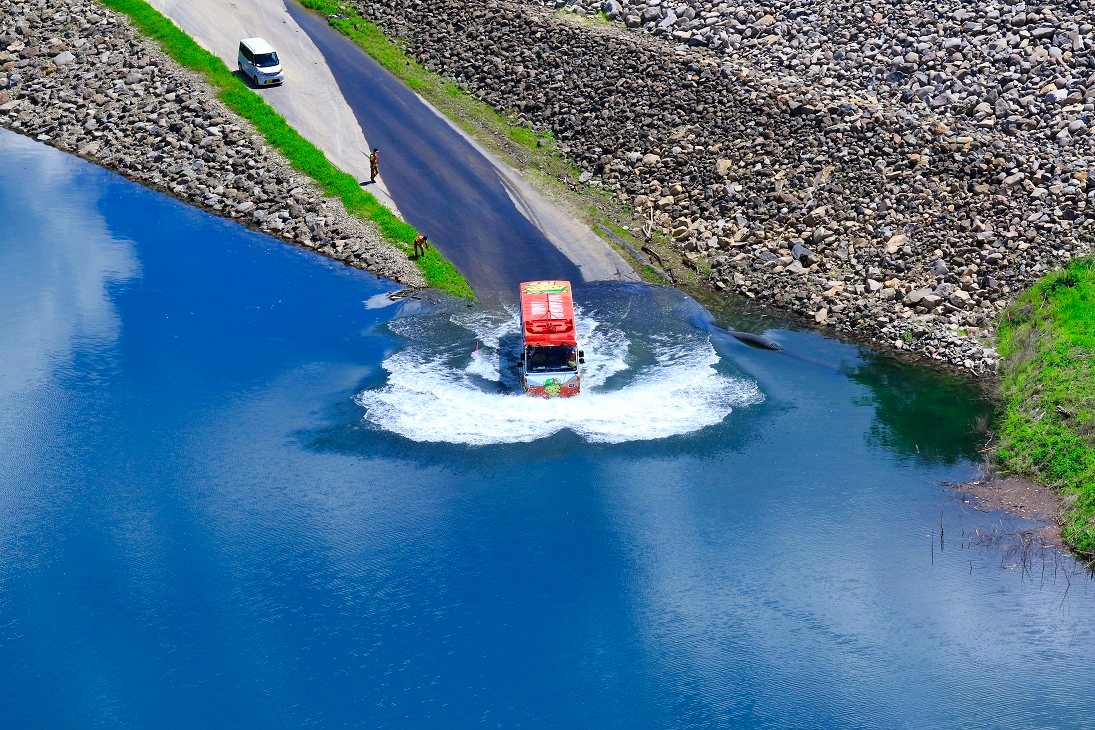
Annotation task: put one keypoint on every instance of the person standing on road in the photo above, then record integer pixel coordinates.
(421, 243)
(374, 164)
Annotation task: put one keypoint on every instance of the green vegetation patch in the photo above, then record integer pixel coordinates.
(302, 154)
(1047, 340)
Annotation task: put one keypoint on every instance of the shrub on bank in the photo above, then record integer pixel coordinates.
(301, 154)
(1047, 340)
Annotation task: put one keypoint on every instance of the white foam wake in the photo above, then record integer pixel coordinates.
(440, 394)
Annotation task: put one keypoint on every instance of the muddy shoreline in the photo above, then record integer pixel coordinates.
(995, 492)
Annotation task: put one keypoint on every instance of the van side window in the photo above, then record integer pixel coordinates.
(246, 52)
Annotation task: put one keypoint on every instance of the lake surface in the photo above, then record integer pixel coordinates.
(239, 488)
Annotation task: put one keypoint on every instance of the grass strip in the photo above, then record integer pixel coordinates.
(302, 154)
(1047, 340)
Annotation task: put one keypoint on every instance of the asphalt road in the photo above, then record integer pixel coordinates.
(495, 227)
(490, 223)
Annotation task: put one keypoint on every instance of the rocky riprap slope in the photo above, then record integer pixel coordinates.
(77, 77)
(1006, 65)
(896, 219)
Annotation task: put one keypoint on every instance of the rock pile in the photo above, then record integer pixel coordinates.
(1012, 66)
(894, 218)
(77, 77)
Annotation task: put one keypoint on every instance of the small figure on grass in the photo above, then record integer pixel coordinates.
(421, 243)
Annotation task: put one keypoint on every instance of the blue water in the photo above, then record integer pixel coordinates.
(222, 504)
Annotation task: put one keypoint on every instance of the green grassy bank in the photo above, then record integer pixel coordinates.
(1047, 340)
(301, 154)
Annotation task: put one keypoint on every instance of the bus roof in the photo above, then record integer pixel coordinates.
(547, 313)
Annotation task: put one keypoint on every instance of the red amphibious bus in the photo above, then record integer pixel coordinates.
(551, 361)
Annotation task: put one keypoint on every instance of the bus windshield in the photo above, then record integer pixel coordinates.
(559, 358)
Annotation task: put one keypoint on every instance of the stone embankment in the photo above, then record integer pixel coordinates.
(76, 76)
(896, 172)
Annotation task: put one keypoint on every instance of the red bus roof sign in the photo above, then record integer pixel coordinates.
(547, 313)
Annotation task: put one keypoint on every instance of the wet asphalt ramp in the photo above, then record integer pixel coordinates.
(442, 184)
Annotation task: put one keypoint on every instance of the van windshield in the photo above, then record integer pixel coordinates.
(551, 359)
(266, 60)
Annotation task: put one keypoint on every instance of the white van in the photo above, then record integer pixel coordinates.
(259, 61)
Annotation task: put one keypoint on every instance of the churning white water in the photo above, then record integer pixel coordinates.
(457, 382)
